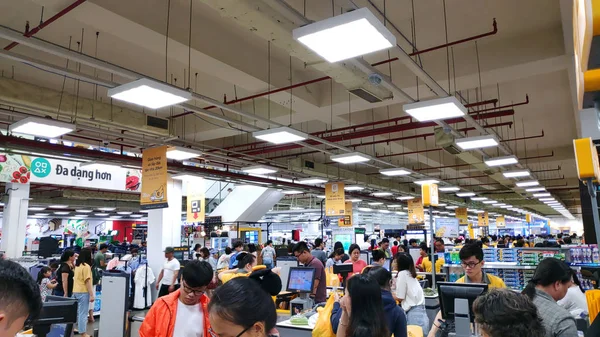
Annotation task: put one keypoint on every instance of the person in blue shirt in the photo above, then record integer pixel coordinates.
(238, 246)
(395, 316)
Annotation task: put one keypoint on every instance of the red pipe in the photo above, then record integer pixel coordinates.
(506, 106)
(47, 22)
(460, 165)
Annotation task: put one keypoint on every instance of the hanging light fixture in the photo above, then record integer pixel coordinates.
(501, 161)
(41, 127)
(479, 142)
(280, 135)
(149, 93)
(435, 109)
(350, 158)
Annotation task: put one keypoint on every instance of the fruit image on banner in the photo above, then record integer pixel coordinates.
(15, 168)
(416, 215)
(154, 178)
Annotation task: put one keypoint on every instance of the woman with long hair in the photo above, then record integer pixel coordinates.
(64, 275)
(549, 284)
(357, 263)
(410, 294)
(575, 301)
(339, 245)
(82, 289)
(362, 309)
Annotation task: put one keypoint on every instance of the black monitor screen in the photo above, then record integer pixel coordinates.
(301, 279)
(57, 317)
(387, 264)
(449, 291)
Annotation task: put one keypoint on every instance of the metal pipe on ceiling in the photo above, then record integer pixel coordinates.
(462, 165)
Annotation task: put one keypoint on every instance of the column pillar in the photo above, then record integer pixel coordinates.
(164, 227)
(14, 224)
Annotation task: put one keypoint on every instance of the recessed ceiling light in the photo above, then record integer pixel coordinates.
(435, 109)
(479, 198)
(58, 206)
(62, 213)
(354, 188)
(394, 206)
(489, 202)
(375, 203)
(42, 127)
(448, 189)
(451, 207)
(83, 210)
(465, 194)
(101, 214)
(441, 205)
(350, 158)
(281, 135)
(541, 195)
(345, 36)
(501, 161)
(480, 142)
(384, 211)
(124, 213)
(400, 213)
(312, 181)
(394, 172)
(42, 214)
(527, 183)
(382, 194)
(136, 215)
(106, 209)
(535, 189)
(516, 174)
(426, 181)
(547, 199)
(259, 169)
(182, 153)
(149, 93)
(407, 197)
(506, 206)
(37, 208)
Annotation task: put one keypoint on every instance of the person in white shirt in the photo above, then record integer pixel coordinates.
(167, 279)
(575, 301)
(409, 293)
(223, 261)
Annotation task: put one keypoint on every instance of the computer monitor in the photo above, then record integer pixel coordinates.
(301, 279)
(56, 311)
(387, 264)
(449, 291)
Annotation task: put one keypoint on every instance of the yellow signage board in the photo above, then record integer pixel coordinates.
(461, 215)
(154, 178)
(196, 200)
(471, 231)
(335, 199)
(429, 194)
(483, 219)
(415, 212)
(586, 158)
(346, 221)
(500, 222)
(528, 218)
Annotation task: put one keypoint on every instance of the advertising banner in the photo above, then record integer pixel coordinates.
(471, 230)
(154, 178)
(25, 169)
(346, 221)
(196, 200)
(446, 227)
(483, 219)
(415, 212)
(430, 195)
(461, 215)
(335, 199)
(500, 222)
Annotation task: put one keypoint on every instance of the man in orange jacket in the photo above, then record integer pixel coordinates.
(170, 315)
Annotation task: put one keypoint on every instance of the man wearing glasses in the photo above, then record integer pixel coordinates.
(171, 315)
(471, 259)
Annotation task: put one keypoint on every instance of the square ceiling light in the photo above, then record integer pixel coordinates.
(435, 109)
(355, 200)
(541, 195)
(149, 93)
(280, 135)
(479, 198)
(182, 153)
(426, 181)
(345, 36)
(351, 158)
(448, 188)
(527, 183)
(41, 127)
(408, 197)
(259, 169)
(535, 189)
(353, 188)
(292, 192)
(489, 202)
(312, 181)
(382, 194)
(394, 172)
(516, 174)
(479, 142)
(501, 161)
(465, 194)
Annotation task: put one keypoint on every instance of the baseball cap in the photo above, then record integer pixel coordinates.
(169, 250)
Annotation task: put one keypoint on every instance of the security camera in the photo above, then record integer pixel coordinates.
(106, 142)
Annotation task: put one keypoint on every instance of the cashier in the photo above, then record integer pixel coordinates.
(471, 258)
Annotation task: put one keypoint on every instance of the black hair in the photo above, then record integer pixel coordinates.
(300, 248)
(423, 246)
(502, 312)
(411, 241)
(485, 240)
(548, 271)
(520, 243)
(103, 246)
(244, 259)
(54, 265)
(268, 242)
(385, 240)
(41, 273)
(403, 247)
(238, 244)
(66, 255)
(337, 252)
(251, 248)
(494, 237)
(471, 250)
(559, 236)
(576, 280)
(381, 275)
(567, 240)
(19, 294)
(85, 257)
(338, 245)
(318, 242)
(196, 247)
(458, 241)
(539, 245)
(230, 301)
(227, 250)
(205, 252)
(395, 243)
(439, 240)
(405, 262)
(134, 250)
(352, 248)
(378, 254)
(197, 274)
(368, 318)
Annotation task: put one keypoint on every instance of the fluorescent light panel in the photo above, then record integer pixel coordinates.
(149, 93)
(312, 181)
(58, 206)
(375, 203)
(83, 211)
(355, 200)
(259, 169)
(541, 195)
(527, 183)
(435, 109)
(41, 127)
(101, 214)
(394, 172)
(353, 188)
(489, 202)
(394, 206)
(62, 213)
(350, 158)
(382, 194)
(535, 189)
(465, 194)
(408, 197)
(37, 208)
(106, 209)
(426, 181)
(280, 135)
(479, 198)
(182, 153)
(479, 142)
(516, 174)
(501, 161)
(448, 189)
(292, 192)
(345, 36)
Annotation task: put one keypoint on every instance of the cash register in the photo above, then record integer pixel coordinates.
(301, 280)
(456, 305)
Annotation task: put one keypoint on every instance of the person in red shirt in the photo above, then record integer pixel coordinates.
(395, 248)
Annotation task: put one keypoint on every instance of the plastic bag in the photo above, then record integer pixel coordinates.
(323, 326)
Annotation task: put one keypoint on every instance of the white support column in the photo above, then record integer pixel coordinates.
(164, 227)
(14, 224)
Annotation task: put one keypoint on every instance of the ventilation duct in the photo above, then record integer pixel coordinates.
(445, 140)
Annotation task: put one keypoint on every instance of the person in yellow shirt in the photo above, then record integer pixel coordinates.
(471, 257)
(426, 263)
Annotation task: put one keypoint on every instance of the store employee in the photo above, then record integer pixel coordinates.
(303, 255)
(471, 257)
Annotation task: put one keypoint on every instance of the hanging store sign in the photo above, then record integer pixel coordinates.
(154, 178)
(346, 221)
(500, 222)
(335, 199)
(196, 200)
(462, 216)
(430, 195)
(483, 219)
(415, 212)
(446, 227)
(25, 169)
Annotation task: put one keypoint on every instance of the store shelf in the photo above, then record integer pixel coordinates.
(586, 265)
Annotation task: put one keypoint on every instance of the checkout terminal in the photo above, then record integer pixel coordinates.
(456, 305)
(301, 280)
(56, 318)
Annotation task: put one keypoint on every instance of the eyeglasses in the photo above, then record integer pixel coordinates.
(212, 333)
(191, 291)
(470, 264)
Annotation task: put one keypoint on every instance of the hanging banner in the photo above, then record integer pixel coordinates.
(415, 212)
(429, 194)
(446, 227)
(154, 178)
(196, 200)
(500, 222)
(461, 215)
(346, 221)
(483, 219)
(471, 231)
(335, 199)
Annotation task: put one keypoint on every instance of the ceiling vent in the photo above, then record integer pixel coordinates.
(156, 122)
(366, 95)
(445, 140)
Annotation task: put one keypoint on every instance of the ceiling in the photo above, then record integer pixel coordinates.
(228, 60)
